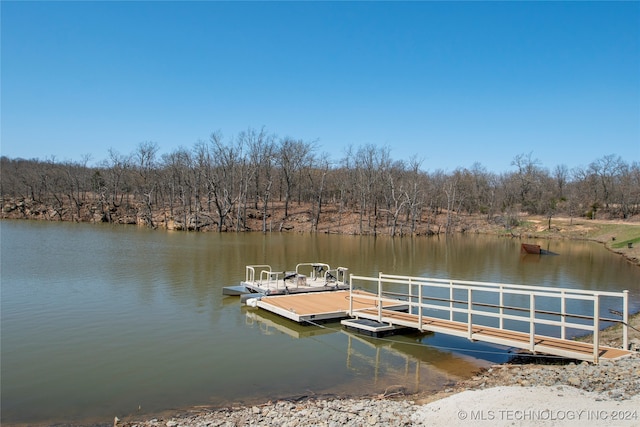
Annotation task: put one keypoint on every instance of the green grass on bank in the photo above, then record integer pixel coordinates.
(624, 243)
(617, 235)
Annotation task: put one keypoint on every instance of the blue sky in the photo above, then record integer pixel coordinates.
(452, 83)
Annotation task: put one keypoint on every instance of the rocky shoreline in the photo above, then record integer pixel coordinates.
(612, 383)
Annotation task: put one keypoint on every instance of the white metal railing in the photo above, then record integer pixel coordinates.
(341, 274)
(250, 272)
(323, 272)
(474, 301)
(319, 272)
(267, 277)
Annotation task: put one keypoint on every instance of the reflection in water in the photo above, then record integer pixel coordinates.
(400, 360)
(270, 324)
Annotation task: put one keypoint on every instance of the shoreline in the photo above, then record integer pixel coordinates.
(555, 394)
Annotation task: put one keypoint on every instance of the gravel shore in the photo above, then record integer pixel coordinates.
(510, 394)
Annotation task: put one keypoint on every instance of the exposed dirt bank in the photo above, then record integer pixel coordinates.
(621, 237)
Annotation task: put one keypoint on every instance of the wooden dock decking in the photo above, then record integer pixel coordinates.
(321, 305)
(335, 305)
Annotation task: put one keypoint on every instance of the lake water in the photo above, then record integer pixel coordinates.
(100, 321)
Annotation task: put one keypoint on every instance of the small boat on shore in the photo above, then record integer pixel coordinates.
(307, 277)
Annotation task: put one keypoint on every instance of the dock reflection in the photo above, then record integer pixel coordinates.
(404, 358)
(269, 323)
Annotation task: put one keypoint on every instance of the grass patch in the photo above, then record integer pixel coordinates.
(622, 232)
(624, 243)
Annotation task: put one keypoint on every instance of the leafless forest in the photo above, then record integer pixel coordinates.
(259, 182)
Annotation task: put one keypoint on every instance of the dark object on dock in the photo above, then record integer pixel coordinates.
(528, 248)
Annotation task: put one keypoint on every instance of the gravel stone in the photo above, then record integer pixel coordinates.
(615, 380)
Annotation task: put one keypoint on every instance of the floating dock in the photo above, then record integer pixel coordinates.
(478, 311)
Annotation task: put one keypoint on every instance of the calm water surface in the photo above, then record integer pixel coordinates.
(101, 321)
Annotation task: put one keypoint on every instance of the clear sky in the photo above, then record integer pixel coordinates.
(451, 82)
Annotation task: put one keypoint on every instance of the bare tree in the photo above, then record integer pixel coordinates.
(292, 155)
(452, 192)
(528, 176)
(220, 183)
(178, 187)
(397, 196)
(607, 169)
(561, 175)
(262, 158)
(415, 194)
(221, 178)
(370, 165)
(145, 165)
(117, 167)
(317, 175)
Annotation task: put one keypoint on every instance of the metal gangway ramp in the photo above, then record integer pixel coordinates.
(532, 318)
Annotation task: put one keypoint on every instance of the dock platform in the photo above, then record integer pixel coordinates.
(322, 306)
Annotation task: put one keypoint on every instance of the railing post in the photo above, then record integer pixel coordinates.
(410, 292)
(380, 297)
(501, 307)
(469, 315)
(625, 320)
(563, 315)
(532, 322)
(420, 306)
(596, 327)
(451, 300)
(351, 295)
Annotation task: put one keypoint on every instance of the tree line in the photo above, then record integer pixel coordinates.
(238, 184)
